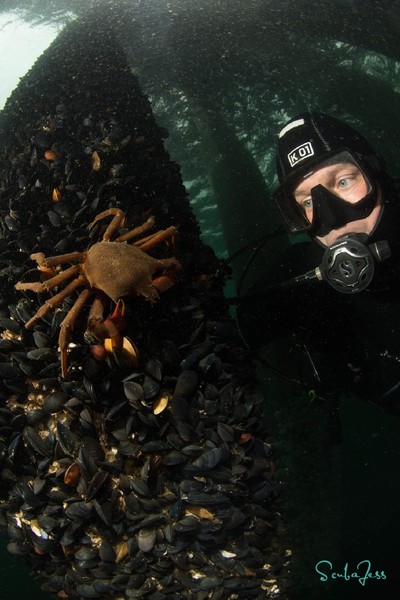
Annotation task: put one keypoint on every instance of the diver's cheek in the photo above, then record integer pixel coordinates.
(309, 214)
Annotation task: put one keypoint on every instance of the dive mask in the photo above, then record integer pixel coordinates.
(330, 209)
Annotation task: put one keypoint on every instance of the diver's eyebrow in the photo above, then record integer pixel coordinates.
(301, 195)
(348, 167)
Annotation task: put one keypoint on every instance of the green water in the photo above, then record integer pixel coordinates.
(340, 501)
(15, 578)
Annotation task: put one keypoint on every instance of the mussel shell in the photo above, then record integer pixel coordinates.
(32, 439)
(186, 432)
(54, 402)
(155, 447)
(86, 553)
(79, 511)
(67, 439)
(86, 590)
(106, 551)
(188, 525)
(92, 448)
(9, 371)
(96, 484)
(210, 583)
(211, 367)
(72, 474)
(15, 448)
(36, 417)
(186, 384)
(12, 224)
(180, 409)
(24, 308)
(146, 539)
(106, 511)
(102, 586)
(140, 487)
(174, 458)
(7, 344)
(151, 388)
(41, 339)
(203, 499)
(133, 392)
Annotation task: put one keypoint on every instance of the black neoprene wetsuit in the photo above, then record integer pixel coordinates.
(353, 340)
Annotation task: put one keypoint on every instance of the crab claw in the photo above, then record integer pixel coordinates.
(117, 321)
(99, 330)
(167, 280)
(115, 324)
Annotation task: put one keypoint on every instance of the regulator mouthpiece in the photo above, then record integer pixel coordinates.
(348, 265)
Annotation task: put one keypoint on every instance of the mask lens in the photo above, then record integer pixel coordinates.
(342, 176)
(345, 184)
(293, 215)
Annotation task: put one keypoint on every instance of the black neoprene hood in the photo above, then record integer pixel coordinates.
(310, 138)
(308, 141)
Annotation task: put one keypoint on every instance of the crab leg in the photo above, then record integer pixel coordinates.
(46, 286)
(170, 275)
(106, 213)
(156, 238)
(118, 219)
(146, 226)
(66, 327)
(95, 331)
(56, 300)
(54, 261)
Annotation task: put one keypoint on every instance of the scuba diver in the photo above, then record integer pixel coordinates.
(338, 293)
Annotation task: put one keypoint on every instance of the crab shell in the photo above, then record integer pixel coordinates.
(123, 270)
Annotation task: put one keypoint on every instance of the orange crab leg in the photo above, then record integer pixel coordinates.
(66, 327)
(95, 325)
(49, 284)
(54, 261)
(118, 219)
(56, 300)
(40, 258)
(113, 226)
(146, 226)
(156, 238)
(106, 213)
(167, 279)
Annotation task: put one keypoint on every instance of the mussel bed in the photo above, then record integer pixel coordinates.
(144, 475)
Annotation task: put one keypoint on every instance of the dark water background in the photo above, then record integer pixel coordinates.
(223, 76)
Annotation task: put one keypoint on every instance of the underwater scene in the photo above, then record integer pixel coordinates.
(199, 378)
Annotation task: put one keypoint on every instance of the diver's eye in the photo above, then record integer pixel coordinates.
(344, 183)
(307, 203)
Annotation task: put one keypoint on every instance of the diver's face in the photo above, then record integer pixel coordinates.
(346, 181)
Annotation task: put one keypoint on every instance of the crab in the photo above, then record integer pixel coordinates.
(110, 269)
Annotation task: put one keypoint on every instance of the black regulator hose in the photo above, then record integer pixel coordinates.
(348, 266)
